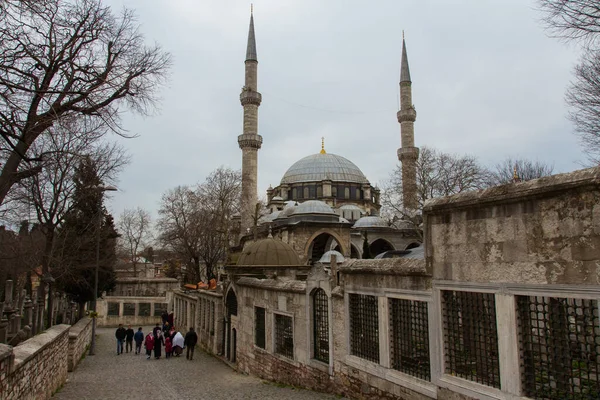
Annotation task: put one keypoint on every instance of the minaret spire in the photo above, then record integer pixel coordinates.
(251, 48)
(250, 141)
(407, 153)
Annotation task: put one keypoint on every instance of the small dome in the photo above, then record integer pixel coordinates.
(268, 252)
(324, 166)
(344, 220)
(270, 217)
(313, 207)
(371, 222)
(326, 258)
(277, 198)
(286, 212)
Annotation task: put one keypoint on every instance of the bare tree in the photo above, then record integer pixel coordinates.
(579, 21)
(438, 174)
(135, 227)
(525, 170)
(64, 58)
(180, 225)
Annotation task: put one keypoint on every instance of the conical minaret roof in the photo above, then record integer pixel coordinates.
(404, 70)
(251, 49)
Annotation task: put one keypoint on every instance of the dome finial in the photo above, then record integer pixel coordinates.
(323, 146)
(270, 232)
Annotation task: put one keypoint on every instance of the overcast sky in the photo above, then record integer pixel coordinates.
(487, 81)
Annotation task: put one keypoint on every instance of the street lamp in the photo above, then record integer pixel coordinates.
(100, 188)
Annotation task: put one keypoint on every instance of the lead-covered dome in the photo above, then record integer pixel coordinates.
(324, 166)
(313, 207)
(371, 222)
(268, 252)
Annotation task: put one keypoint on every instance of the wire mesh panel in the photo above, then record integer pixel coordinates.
(410, 337)
(144, 309)
(559, 340)
(259, 327)
(129, 309)
(321, 326)
(284, 336)
(471, 337)
(364, 327)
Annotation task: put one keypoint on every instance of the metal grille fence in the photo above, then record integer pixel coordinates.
(144, 309)
(559, 340)
(284, 336)
(259, 327)
(410, 337)
(471, 337)
(113, 309)
(129, 309)
(321, 326)
(364, 327)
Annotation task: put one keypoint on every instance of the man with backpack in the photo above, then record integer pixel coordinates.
(139, 339)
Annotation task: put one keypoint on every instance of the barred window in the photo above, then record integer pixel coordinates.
(559, 340)
(203, 312)
(471, 337)
(159, 308)
(321, 326)
(113, 309)
(129, 309)
(144, 309)
(409, 335)
(212, 318)
(284, 336)
(259, 327)
(364, 327)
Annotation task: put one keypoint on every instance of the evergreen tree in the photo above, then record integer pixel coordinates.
(84, 227)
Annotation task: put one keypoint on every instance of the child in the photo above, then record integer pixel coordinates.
(149, 344)
(168, 347)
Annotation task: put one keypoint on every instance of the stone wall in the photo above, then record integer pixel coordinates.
(80, 336)
(36, 368)
(544, 231)
(140, 311)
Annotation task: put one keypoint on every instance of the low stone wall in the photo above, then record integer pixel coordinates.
(36, 368)
(80, 336)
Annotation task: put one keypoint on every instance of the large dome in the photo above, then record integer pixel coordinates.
(319, 167)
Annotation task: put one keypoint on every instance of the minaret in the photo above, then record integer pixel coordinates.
(250, 141)
(408, 153)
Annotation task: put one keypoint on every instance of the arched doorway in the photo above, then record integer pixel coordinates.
(354, 252)
(321, 244)
(379, 246)
(231, 306)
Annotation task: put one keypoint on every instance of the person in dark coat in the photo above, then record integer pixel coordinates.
(120, 334)
(171, 319)
(156, 328)
(191, 338)
(129, 339)
(139, 339)
(159, 341)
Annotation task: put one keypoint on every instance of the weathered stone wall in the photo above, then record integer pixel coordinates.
(80, 336)
(149, 287)
(36, 368)
(157, 306)
(545, 231)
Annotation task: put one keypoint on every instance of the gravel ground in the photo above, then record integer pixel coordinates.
(129, 376)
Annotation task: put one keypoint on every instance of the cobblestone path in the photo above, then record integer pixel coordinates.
(131, 377)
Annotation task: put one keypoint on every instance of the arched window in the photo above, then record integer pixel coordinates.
(346, 192)
(306, 194)
(320, 326)
(319, 192)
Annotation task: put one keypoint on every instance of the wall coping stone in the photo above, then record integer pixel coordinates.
(27, 349)
(292, 286)
(535, 188)
(159, 299)
(79, 327)
(385, 266)
(146, 280)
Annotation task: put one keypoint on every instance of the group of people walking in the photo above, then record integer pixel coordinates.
(167, 337)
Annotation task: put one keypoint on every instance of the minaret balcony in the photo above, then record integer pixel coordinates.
(250, 97)
(408, 114)
(250, 141)
(408, 153)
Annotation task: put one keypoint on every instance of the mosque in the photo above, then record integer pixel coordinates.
(323, 203)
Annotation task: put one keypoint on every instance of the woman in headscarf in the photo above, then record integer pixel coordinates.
(178, 341)
(159, 341)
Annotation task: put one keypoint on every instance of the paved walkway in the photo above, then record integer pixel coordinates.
(130, 377)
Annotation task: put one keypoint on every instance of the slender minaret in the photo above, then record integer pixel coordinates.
(250, 141)
(408, 153)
